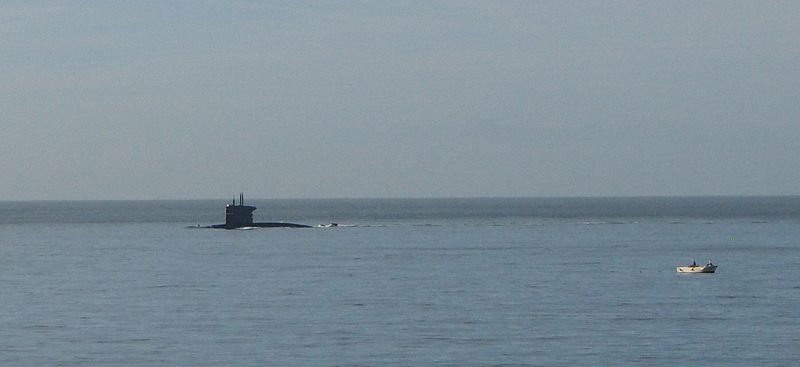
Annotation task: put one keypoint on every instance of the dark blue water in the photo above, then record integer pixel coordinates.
(461, 282)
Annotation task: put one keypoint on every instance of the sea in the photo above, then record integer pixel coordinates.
(402, 282)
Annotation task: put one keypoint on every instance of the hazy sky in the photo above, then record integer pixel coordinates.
(290, 99)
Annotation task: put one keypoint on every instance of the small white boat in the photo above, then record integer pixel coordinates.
(694, 268)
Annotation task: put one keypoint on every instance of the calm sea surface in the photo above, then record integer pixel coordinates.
(432, 282)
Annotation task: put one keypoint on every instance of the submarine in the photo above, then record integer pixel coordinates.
(241, 216)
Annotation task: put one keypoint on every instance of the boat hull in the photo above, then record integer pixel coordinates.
(697, 269)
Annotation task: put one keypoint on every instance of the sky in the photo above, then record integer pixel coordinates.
(371, 99)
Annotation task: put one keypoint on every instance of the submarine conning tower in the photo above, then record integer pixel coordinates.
(237, 216)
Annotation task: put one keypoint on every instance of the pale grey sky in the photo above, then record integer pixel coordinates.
(290, 99)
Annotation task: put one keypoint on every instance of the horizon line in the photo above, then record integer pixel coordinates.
(428, 198)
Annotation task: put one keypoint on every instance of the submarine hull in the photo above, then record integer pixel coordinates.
(241, 216)
(261, 225)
